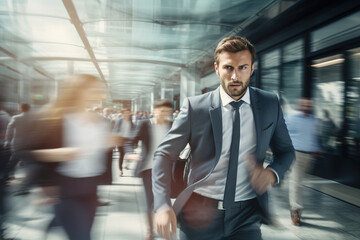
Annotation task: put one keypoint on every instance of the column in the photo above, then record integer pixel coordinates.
(189, 83)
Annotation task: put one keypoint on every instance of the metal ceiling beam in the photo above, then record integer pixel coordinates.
(164, 22)
(70, 8)
(156, 62)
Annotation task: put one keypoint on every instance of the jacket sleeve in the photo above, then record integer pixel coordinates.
(116, 128)
(10, 131)
(167, 152)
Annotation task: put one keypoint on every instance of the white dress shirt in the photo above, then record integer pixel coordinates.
(214, 186)
(91, 138)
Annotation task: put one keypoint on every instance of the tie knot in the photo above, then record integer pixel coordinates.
(236, 105)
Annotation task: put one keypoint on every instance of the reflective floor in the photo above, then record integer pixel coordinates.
(324, 217)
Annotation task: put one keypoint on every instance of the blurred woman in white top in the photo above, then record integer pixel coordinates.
(78, 141)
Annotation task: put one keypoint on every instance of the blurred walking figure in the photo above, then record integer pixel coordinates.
(4, 159)
(328, 133)
(151, 133)
(78, 142)
(302, 128)
(13, 132)
(16, 139)
(125, 128)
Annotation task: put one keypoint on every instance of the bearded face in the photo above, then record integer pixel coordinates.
(235, 70)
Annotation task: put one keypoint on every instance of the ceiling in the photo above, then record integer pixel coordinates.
(132, 45)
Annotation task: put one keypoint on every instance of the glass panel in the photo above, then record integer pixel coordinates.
(271, 59)
(293, 51)
(38, 7)
(29, 36)
(61, 69)
(6, 72)
(270, 73)
(176, 56)
(270, 80)
(292, 84)
(133, 82)
(27, 28)
(127, 71)
(328, 100)
(152, 41)
(339, 31)
(353, 114)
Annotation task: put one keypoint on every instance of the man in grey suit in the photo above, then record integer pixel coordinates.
(125, 128)
(229, 131)
(4, 158)
(16, 132)
(17, 128)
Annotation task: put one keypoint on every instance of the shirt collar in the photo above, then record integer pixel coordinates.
(226, 99)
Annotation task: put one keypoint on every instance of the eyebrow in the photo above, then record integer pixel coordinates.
(230, 65)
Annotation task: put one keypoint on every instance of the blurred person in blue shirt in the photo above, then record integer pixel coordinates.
(302, 128)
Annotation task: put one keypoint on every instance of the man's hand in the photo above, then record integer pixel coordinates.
(164, 221)
(261, 179)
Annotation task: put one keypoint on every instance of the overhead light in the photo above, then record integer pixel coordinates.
(328, 63)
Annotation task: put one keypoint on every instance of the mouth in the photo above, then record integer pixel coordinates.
(235, 85)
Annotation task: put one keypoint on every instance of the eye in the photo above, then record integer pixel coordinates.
(228, 68)
(243, 67)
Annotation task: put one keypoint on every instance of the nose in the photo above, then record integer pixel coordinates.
(234, 76)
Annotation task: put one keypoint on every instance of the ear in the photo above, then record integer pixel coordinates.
(252, 69)
(216, 69)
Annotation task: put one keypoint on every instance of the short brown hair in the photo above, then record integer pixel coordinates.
(234, 44)
(163, 103)
(25, 107)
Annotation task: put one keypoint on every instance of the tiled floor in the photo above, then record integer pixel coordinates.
(325, 217)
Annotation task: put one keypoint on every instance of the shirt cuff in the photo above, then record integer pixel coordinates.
(277, 175)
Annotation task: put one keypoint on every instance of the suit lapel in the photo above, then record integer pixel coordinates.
(256, 108)
(216, 121)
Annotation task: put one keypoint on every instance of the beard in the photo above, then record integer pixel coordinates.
(235, 92)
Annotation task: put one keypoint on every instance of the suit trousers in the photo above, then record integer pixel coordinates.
(146, 176)
(4, 161)
(302, 165)
(76, 209)
(121, 157)
(201, 219)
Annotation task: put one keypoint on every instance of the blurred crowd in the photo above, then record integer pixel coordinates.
(65, 149)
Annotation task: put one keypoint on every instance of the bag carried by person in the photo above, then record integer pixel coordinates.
(180, 172)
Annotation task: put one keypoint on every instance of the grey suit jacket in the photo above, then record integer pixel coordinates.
(18, 129)
(200, 124)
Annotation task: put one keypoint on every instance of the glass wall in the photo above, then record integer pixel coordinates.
(353, 108)
(282, 72)
(328, 71)
(328, 95)
(328, 86)
(293, 73)
(336, 32)
(270, 72)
